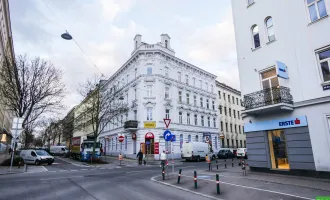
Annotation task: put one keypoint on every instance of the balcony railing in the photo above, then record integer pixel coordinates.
(131, 124)
(266, 97)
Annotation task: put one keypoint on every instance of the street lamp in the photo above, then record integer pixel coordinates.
(66, 36)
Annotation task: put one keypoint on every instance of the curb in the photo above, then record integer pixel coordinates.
(184, 189)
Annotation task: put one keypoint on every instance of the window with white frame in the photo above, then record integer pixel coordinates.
(180, 96)
(238, 116)
(195, 100)
(316, 9)
(207, 104)
(235, 128)
(249, 2)
(187, 79)
(255, 36)
(201, 102)
(179, 76)
(214, 123)
(324, 59)
(149, 114)
(219, 93)
(239, 129)
(166, 71)
(196, 138)
(149, 70)
(234, 113)
(195, 119)
(270, 29)
(180, 117)
(194, 81)
(202, 120)
(149, 90)
(167, 92)
(167, 113)
(213, 105)
(188, 118)
(208, 122)
(188, 98)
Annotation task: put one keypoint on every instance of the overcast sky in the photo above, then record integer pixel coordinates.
(201, 34)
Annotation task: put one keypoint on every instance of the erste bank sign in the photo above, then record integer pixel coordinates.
(276, 124)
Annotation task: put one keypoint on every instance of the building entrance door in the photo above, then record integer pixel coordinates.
(278, 149)
(149, 143)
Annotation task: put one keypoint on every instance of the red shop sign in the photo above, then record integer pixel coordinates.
(156, 148)
(149, 135)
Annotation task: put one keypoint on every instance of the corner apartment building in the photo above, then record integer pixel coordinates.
(6, 49)
(229, 103)
(283, 50)
(156, 85)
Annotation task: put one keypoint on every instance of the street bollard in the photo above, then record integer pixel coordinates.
(179, 176)
(163, 172)
(232, 162)
(217, 164)
(195, 179)
(218, 184)
(25, 167)
(225, 163)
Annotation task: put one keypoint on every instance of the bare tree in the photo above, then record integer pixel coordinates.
(30, 88)
(101, 105)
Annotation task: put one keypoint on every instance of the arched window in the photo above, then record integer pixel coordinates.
(181, 140)
(255, 36)
(196, 138)
(116, 143)
(165, 43)
(125, 142)
(189, 138)
(270, 29)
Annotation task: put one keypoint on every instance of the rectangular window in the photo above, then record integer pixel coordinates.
(180, 117)
(188, 118)
(234, 113)
(228, 98)
(317, 9)
(220, 108)
(188, 98)
(180, 96)
(135, 114)
(239, 129)
(179, 76)
(235, 128)
(202, 120)
(195, 100)
(233, 98)
(214, 123)
(167, 92)
(237, 101)
(225, 109)
(229, 112)
(149, 70)
(324, 59)
(187, 79)
(149, 90)
(194, 81)
(231, 127)
(226, 127)
(213, 105)
(167, 114)
(221, 126)
(238, 116)
(149, 114)
(208, 122)
(166, 71)
(195, 119)
(207, 104)
(219, 93)
(224, 96)
(201, 102)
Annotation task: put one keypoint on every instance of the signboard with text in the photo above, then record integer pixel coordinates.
(150, 124)
(156, 148)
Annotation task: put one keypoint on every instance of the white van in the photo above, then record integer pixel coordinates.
(242, 153)
(194, 150)
(36, 157)
(58, 150)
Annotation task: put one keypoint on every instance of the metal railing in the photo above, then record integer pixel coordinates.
(131, 124)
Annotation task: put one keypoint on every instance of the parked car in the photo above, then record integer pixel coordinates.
(242, 153)
(194, 150)
(225, 153)
(37, 157)
(58, 150)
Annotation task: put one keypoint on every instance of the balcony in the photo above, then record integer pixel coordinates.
(131, 125)
(268, 101)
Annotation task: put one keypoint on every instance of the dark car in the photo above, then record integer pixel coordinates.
(225, 153)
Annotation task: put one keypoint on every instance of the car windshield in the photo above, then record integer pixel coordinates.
(90, 145)
(42, 153)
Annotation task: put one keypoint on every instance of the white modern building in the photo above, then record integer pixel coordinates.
(158, 85)
(283, 50)
(229, 103)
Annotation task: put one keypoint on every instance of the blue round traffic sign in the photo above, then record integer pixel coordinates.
(167, 135)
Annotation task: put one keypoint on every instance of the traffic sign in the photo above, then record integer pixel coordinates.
(167, 122)
(167, 135)
(121, 138)
(173, 138)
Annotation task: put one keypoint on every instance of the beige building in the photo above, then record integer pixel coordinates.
(229, 102)
(6, 49)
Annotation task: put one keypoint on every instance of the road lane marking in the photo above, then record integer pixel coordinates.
(46, 179)
(62, 170)
(253, 188)
(84, 169)
(184, 189)
(74, 170)
(45, 168)
(141, 171)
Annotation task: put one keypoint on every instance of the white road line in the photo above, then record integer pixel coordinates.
(141, 171)
(264, 190)
(45, 168)
(84, 169)
(74, 170)
(184, 189)
(62, 170)
(46, 179)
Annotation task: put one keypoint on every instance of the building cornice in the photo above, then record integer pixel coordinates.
(227, 87)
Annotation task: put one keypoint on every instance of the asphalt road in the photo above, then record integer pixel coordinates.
(67, 181)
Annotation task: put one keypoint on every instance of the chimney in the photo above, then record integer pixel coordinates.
(137, 41)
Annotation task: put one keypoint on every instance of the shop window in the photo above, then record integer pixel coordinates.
(278, 150)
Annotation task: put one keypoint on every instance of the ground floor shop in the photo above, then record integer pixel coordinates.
(292, 142)
(151, 142)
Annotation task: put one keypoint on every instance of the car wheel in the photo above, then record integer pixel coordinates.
(37, 162)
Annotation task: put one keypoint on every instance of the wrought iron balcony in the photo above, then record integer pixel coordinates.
(131, 124)
(271, 97)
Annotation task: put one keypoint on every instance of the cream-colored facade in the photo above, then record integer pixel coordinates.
(6, 49)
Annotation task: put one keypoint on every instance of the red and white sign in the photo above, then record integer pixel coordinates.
(167, 122)
(121, 138)
(156, 148)
(149, 135)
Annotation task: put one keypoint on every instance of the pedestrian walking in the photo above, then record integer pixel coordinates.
(162, 159)
(140, 157)
(9, 150)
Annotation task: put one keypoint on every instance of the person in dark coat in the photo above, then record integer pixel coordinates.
(140, 156)
(9, 150)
